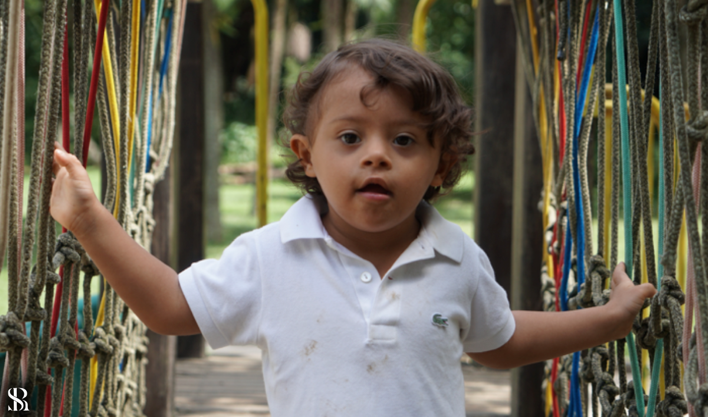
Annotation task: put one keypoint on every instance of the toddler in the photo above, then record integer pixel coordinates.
(362, 297)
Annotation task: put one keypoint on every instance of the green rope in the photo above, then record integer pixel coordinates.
(626, 180)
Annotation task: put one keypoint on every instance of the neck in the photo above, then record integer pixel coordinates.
(380, 248)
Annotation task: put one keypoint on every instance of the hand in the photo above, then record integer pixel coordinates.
(72, 194)
(627, 299)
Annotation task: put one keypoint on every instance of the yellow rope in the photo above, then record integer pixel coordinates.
(134, 45)
(608, 183)
(534, 35)
(683, 237)
(113, 106)
(94, 359)
(419, 19)
(112, 100)
(261, 12)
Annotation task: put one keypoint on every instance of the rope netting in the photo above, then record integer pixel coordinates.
(125, 57)
(567, 45)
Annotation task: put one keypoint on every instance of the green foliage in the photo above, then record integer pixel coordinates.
(450, 34)
(239, 143)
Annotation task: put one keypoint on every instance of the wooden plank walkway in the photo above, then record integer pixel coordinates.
(229, 383)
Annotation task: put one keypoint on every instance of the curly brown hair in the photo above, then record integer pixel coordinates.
(433, 91)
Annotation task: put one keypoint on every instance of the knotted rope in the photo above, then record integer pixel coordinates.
(117, 340)
(574, 278)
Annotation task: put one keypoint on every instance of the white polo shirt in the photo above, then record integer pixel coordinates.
(337, 339)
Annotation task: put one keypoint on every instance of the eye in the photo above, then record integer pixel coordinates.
(349, 138)
(403, 140)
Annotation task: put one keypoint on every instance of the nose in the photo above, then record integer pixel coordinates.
(376, 155)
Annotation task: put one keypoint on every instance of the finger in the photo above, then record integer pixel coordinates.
(67, 160)
(619, 274)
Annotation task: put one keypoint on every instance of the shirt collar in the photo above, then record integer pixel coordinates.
(303, 221)
(446, 237)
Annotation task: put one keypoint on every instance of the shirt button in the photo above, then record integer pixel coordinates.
(365, 277)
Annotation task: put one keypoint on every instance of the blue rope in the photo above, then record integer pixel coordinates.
(168, 46)
(149, 133)
(576, 409)
(163, 71)
(566, 269)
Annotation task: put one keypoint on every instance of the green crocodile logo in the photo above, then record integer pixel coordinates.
(439, 320)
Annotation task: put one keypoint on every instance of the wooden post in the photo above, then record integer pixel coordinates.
(526, 242)
(162, 349)
(495, 59)
(190, 144)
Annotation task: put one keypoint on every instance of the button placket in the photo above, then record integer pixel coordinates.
(385, 311)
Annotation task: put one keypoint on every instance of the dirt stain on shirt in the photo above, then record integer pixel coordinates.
(309, 348)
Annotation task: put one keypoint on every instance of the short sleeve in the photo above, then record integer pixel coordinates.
(491, 321)
(225, 295)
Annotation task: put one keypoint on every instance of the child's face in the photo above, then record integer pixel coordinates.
(374, 163)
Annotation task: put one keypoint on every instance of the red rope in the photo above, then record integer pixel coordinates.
(66, 144)
(94, 77)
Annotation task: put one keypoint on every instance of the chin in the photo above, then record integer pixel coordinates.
(377, 226)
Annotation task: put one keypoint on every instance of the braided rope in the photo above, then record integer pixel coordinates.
(662, 336)
(118, 341)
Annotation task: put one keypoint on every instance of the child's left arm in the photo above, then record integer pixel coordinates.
(544, 335)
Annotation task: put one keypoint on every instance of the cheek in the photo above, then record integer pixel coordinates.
(329, 171)
(423, 171)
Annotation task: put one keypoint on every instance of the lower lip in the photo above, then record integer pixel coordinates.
(374, 196)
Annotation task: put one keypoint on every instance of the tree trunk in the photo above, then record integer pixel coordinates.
(527, 233)
(160, 370)
(277, 48)
(495, 63)
(350, 20)
(404, 12)
(213, 122)
(189, 146)
(332, 24)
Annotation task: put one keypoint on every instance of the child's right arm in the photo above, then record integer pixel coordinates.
(148, 286)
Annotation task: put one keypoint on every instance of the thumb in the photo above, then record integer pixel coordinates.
(647, 290)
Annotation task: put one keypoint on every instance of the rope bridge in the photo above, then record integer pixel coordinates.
(130, 80)
(565, 49)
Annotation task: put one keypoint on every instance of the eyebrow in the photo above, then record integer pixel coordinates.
(403, 122)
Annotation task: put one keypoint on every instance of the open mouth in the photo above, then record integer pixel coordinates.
(374, 189)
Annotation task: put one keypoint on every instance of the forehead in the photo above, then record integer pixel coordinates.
(354, 88)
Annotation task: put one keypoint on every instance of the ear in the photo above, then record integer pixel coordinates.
(447, 160)
(300, 144)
